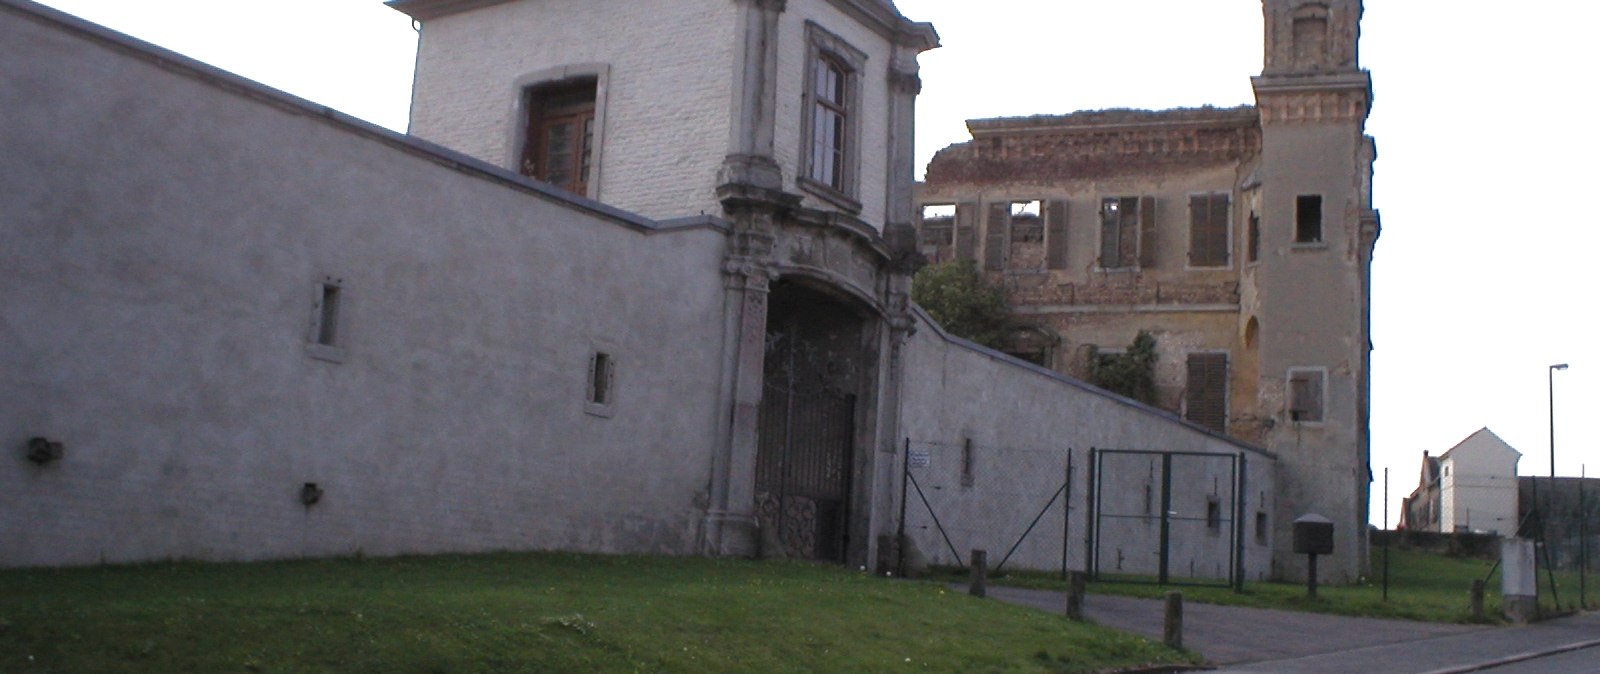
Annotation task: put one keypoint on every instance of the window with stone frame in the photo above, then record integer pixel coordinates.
(1205, 392)
(830, 129)
(1208, 230)
(1127, 232)
(559, 133)
(1307, 392)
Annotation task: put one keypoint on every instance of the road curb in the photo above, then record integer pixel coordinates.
(1519, 657)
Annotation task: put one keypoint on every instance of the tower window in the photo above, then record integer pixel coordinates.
(1308, 218)
(1307, 390)
(559, 141)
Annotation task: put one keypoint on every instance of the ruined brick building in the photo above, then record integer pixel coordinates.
(1241, 238)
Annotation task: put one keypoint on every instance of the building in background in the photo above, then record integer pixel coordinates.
(1241, 238)
(1471, 488)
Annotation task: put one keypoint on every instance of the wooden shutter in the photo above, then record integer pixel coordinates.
(994, 237)
(966, 217)
(1055, 236)
(1221, 225)
(1198, 229)
(1208, 230)
(1147, 232)
(1206, 392)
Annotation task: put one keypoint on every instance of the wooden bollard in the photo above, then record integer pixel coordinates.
(1172, 627)
(1076, 583)
(1477, 599)
(977, 584)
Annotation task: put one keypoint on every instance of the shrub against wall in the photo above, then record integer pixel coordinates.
(956, 296)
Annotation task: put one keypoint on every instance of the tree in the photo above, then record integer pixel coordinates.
(955, 294)
(1130, 373)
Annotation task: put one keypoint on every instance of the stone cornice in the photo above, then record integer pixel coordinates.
(423, 10)
(1314, 98)
(1098, 144)
(882, 17)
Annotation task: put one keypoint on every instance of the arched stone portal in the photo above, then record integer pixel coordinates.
(818, 351)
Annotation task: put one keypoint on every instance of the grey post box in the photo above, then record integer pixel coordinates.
(1313, 535)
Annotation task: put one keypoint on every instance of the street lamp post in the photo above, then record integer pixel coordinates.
(1553, 369)
(1549, 569)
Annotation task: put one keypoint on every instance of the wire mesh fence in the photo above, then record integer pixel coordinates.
(1011, 502)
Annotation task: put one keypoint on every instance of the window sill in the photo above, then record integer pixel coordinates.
(1309, 246)
(829, 194)
(326, 352)
(603, 411)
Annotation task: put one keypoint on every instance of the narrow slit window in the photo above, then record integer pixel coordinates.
(601, 369)
(967, 467)
(328, 315)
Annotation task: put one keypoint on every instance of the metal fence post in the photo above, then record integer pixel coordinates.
(1076, 586)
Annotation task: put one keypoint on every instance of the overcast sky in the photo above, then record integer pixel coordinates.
(1482, 115)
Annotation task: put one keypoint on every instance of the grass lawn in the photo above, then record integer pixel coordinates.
(1422, 586)
(527, 613)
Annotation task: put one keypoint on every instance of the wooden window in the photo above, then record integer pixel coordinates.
(1308, 218)
(1206, 392)
(1119, 232)
(830, 121)
(832, 88)
(1208, 230)
(558, 146)
(1306, 392)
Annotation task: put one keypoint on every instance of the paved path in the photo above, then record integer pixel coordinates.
(1265, 641)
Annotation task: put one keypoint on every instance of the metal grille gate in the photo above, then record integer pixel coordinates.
(1173, 518)
(807, 430)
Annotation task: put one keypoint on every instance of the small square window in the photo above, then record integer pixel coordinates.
(1308, 218)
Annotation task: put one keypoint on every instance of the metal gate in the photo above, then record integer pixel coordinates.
(1172, 518)
(804, 452)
